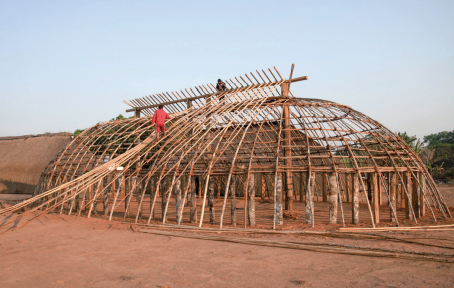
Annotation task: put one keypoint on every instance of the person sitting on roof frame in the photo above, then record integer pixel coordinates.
(220, 87)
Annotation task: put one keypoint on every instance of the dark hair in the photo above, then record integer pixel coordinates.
(161, 106)
(219, 80)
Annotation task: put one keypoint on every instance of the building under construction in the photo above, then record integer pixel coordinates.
(253, 153)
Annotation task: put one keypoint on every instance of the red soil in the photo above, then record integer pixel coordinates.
(67, 251)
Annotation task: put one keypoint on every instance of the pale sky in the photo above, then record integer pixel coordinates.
(69, 64)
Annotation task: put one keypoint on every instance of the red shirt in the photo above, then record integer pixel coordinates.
(159, 116)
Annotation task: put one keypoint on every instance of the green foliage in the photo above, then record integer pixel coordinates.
(121, 117)
(412, 141)
(442, 162)
(78, 131)
(444, 153)
(446, 137)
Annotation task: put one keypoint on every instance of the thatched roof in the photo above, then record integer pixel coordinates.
(23, 158)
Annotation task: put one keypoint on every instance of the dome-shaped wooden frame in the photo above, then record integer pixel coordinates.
(236, 137)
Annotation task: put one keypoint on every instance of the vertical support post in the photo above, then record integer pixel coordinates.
(422, 205)
(355, 197)
(370, 184)
(333, 194)
(113, 185)
(309, 197)
(136, 113)
(393, 186)
(211, 200)
(415, 194)
(177, 191)
(288, 151)
(324, 187)
(278, 189)
(163, 189)
(123, 188)
(302, 187)
(152, 196)
(347, 186)
(232, 200)
(251, 199)
(407, 183)
(375, 197)
(199, 187)
(105, 197)
(380, 189)
(193, 200)
(262, 186)
(218, 192)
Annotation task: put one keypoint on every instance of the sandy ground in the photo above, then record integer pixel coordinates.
(67, 251)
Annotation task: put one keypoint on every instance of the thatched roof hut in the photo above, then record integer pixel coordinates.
(23, 158)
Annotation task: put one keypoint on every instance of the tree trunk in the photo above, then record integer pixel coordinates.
(422, 205)
(211, 200)
(279, 212)
(193, 200)
(251, 199)
(407, 183)
(177, 189)
(355, 198)
(393, 185)
(333, 198)
(232, 201)
(163, 188)
(309, 197)
(375, 197)
(415, 195)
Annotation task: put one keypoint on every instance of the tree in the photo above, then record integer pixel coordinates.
(446, 137)
(442, 160)
(412, 141)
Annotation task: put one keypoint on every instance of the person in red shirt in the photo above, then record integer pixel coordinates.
(158, 119)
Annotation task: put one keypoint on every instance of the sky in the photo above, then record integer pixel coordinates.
(67, 65)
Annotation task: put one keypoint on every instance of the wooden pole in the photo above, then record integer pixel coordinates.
(302, 187)
(324, 187)
(211, 200)
(218, 191)
(347, 185)
(309, 197)
(262, 186)
(422, 205)
(251, 199)
(177, 191)
(153, 190)
(105, 196)
(415, 195)
(355, 197)
(288, 152)
(333, 194)
(232, 201)
(375, 197)
(193, 200)
(393, 187)
(163, 190)
(278, 200)
(185, 196)
(407, 183)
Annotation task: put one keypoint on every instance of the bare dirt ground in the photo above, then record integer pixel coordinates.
(68, 251)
